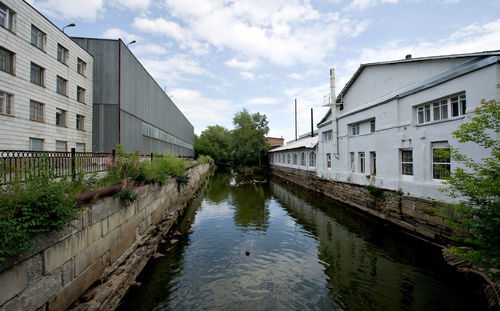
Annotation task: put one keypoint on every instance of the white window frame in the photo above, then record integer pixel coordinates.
(406, 163)
(80, 94)
(361, 157)
(38, 38)
(312, 158)
(37, 111)
(61, 86)
(61, 117)
(37, 74)
(328, 160)
(7, 61)
(352, 161)
(372, 126)
(81, 66)
(354, 129)
(62, 54)
(80, 149)
(9, 17)
(373, 163)
(6, 103)
(437, 162)
(32, 140)
(445, 108)
(62, 143)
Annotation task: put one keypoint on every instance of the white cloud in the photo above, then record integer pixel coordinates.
(149, 48)
(247, 75)
(116, 33)
(245, 65)
(159, 26)
(174, 68)
(363, 4)
(262, 101)
(132, 4)
(295, 76)
(88, 9)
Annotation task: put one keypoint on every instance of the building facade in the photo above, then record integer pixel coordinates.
(130, 108)
(298, 154)
(45, 84)
(391, 125)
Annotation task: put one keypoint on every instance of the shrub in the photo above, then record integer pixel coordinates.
(399, 192)
(202, 159)
(375, 191)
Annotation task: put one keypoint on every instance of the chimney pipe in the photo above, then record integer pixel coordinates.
(295, 118)
(408, 56)
(312, 122)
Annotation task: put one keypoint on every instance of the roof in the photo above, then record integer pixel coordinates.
(307, 142)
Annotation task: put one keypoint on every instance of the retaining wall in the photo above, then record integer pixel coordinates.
(110, 241)
(410, 213)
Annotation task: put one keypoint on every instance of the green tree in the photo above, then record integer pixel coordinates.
(248, 139)
(477, 185)
(215, 142)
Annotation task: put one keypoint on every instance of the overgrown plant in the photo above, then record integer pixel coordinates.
(375, 191)
(129, 192)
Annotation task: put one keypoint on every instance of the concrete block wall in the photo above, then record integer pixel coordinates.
(65, 264)
(412, 214)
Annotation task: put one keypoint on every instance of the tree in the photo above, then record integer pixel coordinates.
(248, 141)
(215, 142)
(477, 185)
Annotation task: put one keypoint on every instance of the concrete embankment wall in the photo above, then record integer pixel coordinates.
(413, 214)
(109, 242)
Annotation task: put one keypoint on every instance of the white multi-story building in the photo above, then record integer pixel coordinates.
(390, 121)
(45, 84)
(299, 154)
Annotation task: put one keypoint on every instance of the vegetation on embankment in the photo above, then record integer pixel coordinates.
(43, 202)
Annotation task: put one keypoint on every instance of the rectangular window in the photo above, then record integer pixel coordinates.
(62, 54)
(61, 146)
(6, 100)
(80, 122)
(6, 60)
(328, 160)
(361, 156)
(407, 162)
(441, 161)
(7, 17)
(458, 105)
(294, 158)
(80, 147)
(288, 158)
(38, 38)
(61, 86)
(60, 117)
(327, 136)
(37, 74)
(312, 159)
(355, 129)
(36, 111)
(303, 159)
(373, 163)
(81, 66)
(372, 126)
(351, 165)
(36, 144)
(455, 105)
(80, 94)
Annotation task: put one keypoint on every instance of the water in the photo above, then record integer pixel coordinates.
(306, 253)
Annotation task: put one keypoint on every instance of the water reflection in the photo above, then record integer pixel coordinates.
(307, 253)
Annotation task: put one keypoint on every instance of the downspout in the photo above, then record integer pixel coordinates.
(335, 133)
(119, 88)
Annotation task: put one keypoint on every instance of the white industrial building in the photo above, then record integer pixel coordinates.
(45, 84)
(299, 154)
(387, 125)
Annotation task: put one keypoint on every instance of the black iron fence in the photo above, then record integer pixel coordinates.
(17, 164)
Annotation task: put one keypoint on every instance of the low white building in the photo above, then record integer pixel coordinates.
(298, 154)
(389, 122)
(45, 84)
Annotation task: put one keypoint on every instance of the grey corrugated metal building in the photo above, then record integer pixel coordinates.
(130, 108)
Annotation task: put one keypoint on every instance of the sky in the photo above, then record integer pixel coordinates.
(216, 57)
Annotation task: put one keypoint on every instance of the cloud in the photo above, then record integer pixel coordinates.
(88, 9)
(148, 48)
(173, 68)
(247, 75)
(262, 101)
(116, 33)
(363, 4)
(159, 26)
(295, 76)
(131, 4)
(246, 65)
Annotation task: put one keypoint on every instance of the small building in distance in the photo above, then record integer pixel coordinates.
(130, 108)
(275, 141)
(45, 84)
(299, 154)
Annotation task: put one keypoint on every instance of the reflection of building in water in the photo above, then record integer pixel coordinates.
(251, 207)
(359, 270)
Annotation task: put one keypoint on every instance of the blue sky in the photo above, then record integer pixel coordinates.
(215, 57)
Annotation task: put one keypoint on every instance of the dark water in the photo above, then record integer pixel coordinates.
(306, 253)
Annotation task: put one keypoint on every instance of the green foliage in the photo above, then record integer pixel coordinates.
(399, 192)
(39, 204)
(182, 180)
(375, 191)
(203, 159)
(161, 168)
(125, 165)
(477, 185)
(215, 142)
(129, 192)
(248, 141)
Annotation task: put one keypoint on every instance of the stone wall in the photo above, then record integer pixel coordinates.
(412, 214)
(104, 238)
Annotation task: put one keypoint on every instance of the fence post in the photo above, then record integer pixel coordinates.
(73, 163)
(151, 157)
(113, 152)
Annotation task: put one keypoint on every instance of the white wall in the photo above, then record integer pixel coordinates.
(298, 152)
(15, 130)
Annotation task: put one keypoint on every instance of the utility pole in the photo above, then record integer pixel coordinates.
(295, 118)
(312, 122)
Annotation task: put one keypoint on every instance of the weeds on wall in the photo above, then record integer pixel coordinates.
(375, 191)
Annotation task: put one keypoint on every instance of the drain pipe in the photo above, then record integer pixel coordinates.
(335, 133)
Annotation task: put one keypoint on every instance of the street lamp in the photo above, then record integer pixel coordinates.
(131, 42)
(69, 25)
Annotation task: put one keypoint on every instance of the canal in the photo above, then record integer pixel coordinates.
(305, 253)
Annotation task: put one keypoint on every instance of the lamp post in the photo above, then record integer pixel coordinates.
(131, 42)
(69, 25)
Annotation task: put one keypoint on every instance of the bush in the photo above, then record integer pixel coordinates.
(375, 191)
(39, 204)
(202, 159)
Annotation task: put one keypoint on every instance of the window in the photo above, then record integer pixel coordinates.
(351, 160)
(36, 144)
(373, 163)
(441, 158)
(288, 158)
(407, 162)
(36, 111)
(328, 160)
(294, 158)
(80, 147)
(372, 126)
(355, 129)
(60, 117)
(61, 146)
(312, 159)
(61, 85)
(327, 136)
(361, 156)
(62, 54)
(6, 100)
(38, 38)
(37, 74)
(303, 159)
(7, 17)
(80, 122)
(6, 60)
(81, 66)
(80, 94)
(442, 109)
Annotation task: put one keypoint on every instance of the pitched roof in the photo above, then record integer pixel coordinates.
(306, 142)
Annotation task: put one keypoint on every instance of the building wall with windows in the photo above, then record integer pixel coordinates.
(398, 136)
(39, 79)
(130, 107)
(299, 154)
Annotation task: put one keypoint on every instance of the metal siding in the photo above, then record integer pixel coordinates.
(105, 127)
